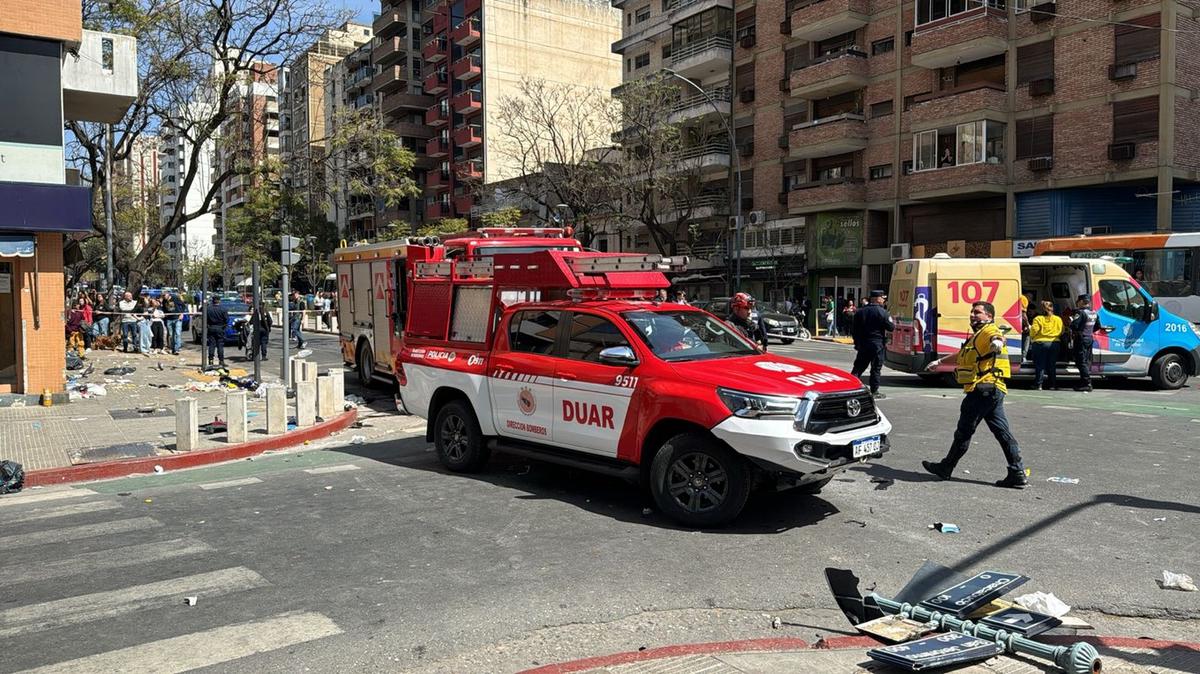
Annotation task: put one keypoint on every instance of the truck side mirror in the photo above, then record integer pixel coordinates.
(1149, 312)
(622, 356)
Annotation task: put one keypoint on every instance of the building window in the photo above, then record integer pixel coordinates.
(967, 143)
(1035, 62)
(1035, 137)
(881, 109)
(1135, 43)
(745, 24)
(641, 61)
(883, 46)
(908, 38)
(795, 59)
(929, 11)
(880, 172)
(834, 45)
(642, 14)
(666, 51)
(909, 100)
(106, 53)
(1135, 121)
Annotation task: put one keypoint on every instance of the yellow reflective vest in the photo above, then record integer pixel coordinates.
(978, 364)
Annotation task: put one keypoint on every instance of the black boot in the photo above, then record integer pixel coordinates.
(936, 468)
(1014, 481)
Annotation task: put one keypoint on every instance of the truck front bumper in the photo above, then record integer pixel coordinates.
(776, 445)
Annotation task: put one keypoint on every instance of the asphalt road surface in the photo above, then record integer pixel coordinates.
(368, 557)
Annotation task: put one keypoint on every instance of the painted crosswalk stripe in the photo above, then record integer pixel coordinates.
(196, 650)
(230, 483)
(61, 511)
(83, 531)
(331, 469)
(1136, 414)
(1061, 407)
(37, 496)
(132, 555)
(100, 605)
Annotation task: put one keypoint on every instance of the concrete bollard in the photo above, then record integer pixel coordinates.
(187, 420)
(235, 417)
(306, 403)
(277, 410)
(326, 405)
(338, 375)
(308, 372)
(297, 365)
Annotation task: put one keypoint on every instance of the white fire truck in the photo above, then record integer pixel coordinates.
(565, 356)
(367, 282)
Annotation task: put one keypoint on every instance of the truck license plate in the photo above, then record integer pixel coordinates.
(865, 446)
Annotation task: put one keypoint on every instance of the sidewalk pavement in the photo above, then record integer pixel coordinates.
(1121, 655)
(133, 418)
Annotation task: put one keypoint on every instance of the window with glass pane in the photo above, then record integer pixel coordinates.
(533, 331)
(970, 143)
(590, 335)
(1120, 297)
(925, 150)
(1167, 273)
(994, 138)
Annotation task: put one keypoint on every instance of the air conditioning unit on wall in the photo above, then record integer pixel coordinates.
(901, 251)
(757, 218)
(1122, 151)
(1097, 230)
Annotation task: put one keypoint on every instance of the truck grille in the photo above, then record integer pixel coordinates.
(831, 413)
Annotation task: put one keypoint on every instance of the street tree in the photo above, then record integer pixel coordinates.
(193, 58)
(194, 269)
(365, 161)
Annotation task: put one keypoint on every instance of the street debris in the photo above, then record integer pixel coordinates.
(355, 399)
(945, 527)
(1160, 519)
(12, 477)
(304, 353)
(1063, 480)
(190, 601)
(328, 488)
(858, 522)
(1178, 581)
(119, 371)
(1043, 602)
(646, 512)
(149, 500)
(776, 623)
(358, 440)
(214, 426)
(158, 470)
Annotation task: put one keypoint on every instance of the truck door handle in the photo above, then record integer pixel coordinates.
(506, 368)
(567, 377)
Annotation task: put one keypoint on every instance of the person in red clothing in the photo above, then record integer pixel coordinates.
(74, 328)
(89, 319)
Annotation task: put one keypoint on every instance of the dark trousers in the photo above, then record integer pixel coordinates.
(216, 343)
(1083, 360)
(262, 344)
(870, 353)
(987, 406)
(1045, 363)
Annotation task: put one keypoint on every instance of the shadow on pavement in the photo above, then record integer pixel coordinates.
(882, 472)
(773, 512)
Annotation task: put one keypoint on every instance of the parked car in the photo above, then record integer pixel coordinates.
(777, 325)
(238, 311)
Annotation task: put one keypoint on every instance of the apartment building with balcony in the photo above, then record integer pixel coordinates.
(51, 70)
(400, 95)
(246, 139)
(137, 180)
(195, 239)
(474, 53)
(302, 105)
(957, 126)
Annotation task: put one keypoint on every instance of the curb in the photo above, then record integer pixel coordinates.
(121, 468)
(794, 644)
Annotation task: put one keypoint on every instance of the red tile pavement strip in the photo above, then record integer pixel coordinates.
(792, 644)
(110, 469)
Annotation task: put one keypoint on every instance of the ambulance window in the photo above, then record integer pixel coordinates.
(1120, 297)
(590, 335)
(534, 331)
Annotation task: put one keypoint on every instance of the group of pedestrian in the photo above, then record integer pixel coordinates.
(838, 314)
(1047, 335)
(146, 324)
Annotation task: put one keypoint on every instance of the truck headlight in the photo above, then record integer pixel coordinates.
(771, 322)
(755, 406)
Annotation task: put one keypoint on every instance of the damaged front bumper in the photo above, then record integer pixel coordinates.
(776, 446)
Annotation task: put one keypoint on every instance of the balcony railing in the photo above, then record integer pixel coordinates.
(469, 135)
(711, 42)
(434, 51)
(467, 67)
(704, 205)
(468, 101)
(466, 33)
(832, 74)
(437, 115)
(717, 94)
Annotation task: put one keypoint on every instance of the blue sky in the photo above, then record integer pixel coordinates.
(366, 8)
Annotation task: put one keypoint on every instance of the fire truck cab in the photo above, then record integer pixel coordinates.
(566, 357)
(367, 275)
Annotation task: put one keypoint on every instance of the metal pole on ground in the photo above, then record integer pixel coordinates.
(256, 317)
(285, 372)
(108, 206)
(203, 319)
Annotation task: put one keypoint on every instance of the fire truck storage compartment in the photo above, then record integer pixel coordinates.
(360, 289)
(472, 308)
(381, 277)
(430, 321)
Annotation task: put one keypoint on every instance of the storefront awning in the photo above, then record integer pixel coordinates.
(35, 207)
(17, 246)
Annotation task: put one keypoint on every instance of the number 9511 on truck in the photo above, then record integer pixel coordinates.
(565, 356)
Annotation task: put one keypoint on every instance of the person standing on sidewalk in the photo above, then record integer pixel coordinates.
(145, 312)
(173, 310)
(981, 366)
(217, 318)
(831, 317)
(1084, 326)
(295, 317)
(870, 329)
(1045, 332)
(127, 306)
(264, 323)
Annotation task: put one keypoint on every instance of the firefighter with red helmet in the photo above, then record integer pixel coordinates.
(740, 317)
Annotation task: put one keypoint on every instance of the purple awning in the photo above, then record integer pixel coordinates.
(37, 207)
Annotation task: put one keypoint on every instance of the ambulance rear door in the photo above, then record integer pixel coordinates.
(958, 284)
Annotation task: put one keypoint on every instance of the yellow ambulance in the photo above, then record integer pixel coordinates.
(930, 300)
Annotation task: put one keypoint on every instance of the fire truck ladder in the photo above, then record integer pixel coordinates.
(626, 263)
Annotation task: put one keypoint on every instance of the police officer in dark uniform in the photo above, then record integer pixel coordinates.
(217, 318)
(870, 328)
(739, 317)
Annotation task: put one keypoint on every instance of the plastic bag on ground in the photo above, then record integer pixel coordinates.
(12, 477)
(1178, 581)
(1043, 602)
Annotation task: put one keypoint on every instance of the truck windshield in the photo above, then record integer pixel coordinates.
(687, 335)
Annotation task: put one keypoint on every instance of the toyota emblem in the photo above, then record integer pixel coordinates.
(853, 407)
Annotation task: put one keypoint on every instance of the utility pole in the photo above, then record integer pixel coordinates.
(256, 317)
(204, 319)
(108, 206)
(287, 258)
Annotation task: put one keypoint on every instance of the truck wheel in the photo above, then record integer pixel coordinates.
(458, 440)
(1168, 371)
(814, 487)
(699, 482)
(365, 366)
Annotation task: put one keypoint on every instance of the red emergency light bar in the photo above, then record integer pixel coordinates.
(546, 232)
(581, 294)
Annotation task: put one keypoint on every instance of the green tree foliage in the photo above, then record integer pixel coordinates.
(444, 226)
(193, 272)
(367, 160)
(504, 217)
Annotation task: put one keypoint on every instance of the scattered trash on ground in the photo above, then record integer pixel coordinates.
(776, 623)
(304, 353)
(328, 488)
(882, 483)
(214, 426)
(1043, 602)
(124, 493)
(1160, 519)
(1063, 480)
(355, 399)
(12, 477)
(646, 512)
(1178, 581)
(190, 601)
(159, 470)
(119, 371)
(945, 527)
(358, 440)
(149, 500)
(858, 522)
